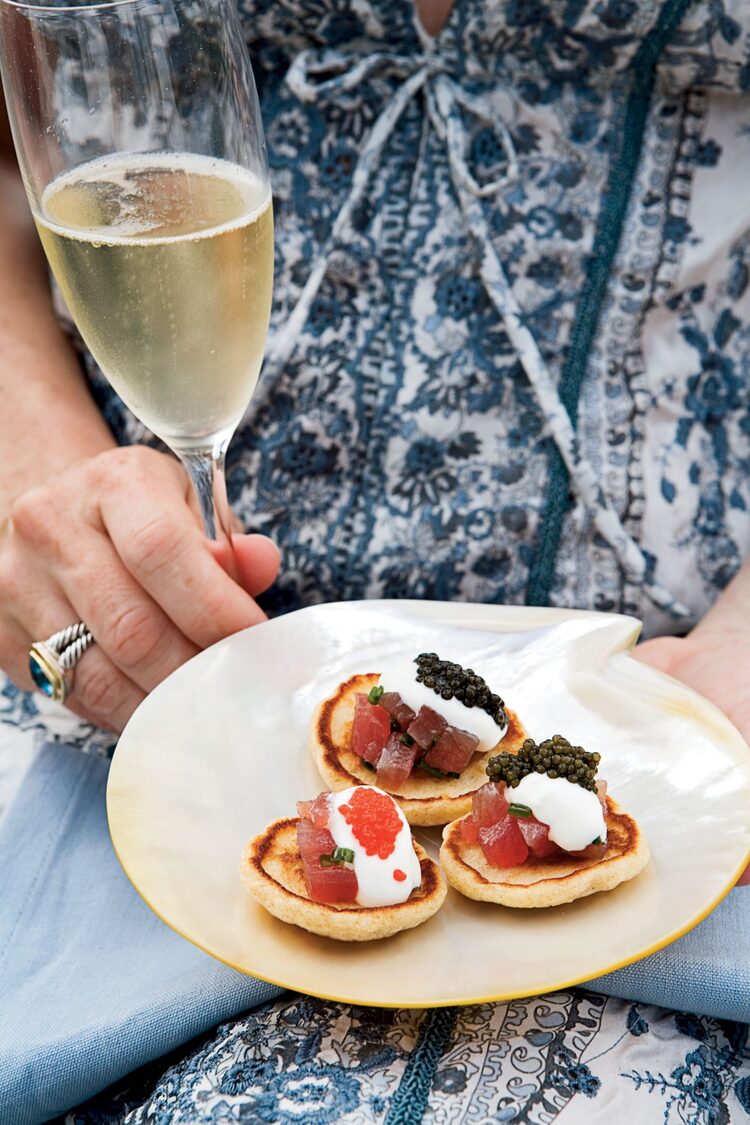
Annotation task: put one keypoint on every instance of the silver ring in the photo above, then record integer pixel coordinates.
(51, 662)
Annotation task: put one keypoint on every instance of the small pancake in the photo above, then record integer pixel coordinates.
(271, 869)
(424, 800)
(549, 882)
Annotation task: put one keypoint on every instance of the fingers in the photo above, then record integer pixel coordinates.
(168, 556)
(257, 559)
(73, 559)
(101, 693)
(116, 543)
(134, 632)
(663, 653)
(14, 653)
(250, 560)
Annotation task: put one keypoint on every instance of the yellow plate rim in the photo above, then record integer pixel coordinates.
(449, 1002)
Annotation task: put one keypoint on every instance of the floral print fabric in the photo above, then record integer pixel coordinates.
(567, 1057)
(438, 207)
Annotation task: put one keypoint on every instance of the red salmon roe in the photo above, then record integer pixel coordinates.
(399, 875)
(374, 820)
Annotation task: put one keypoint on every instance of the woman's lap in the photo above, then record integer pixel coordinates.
(26, 721)
(301, 1060)
(573, 1055)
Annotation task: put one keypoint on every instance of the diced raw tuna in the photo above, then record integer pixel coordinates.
(336, 883)
(498, 834)
(489, 803)
(502, 843)
(397, 709)
(537, 838)
(318, 811)
(453, 750)
(396, 762)
(470, 830)
(371, 729)
(427, 727)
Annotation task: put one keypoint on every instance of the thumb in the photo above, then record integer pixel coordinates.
(257, 560)
(661, 652)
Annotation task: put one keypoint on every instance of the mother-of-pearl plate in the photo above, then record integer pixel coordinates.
(220, 748)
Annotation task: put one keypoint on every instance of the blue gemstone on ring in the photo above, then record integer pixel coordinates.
(39, 676)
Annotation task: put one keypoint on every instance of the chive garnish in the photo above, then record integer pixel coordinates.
(519, 810)
(375, 694)
(337, 857)
(598, 840)
(437, 773)
(431, 769)
(406, 739)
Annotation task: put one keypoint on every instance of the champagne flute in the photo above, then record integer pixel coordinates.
(140, 142)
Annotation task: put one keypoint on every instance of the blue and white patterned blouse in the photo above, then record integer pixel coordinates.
(510, 342)
(509, 361)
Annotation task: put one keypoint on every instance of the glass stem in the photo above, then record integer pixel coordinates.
(205, 467)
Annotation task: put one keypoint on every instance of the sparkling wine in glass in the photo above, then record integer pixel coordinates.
(139, 137)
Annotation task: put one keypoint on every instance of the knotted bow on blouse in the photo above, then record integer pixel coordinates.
(318, 75)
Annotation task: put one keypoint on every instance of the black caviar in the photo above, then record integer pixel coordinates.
(451, 681)
(555, 757)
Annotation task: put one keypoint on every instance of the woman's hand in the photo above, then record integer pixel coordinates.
(89, 532)
(714, 664)
(114, 541)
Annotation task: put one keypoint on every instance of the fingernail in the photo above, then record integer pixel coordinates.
(256, 536)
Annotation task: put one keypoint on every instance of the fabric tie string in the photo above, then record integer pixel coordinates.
(330, 75)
